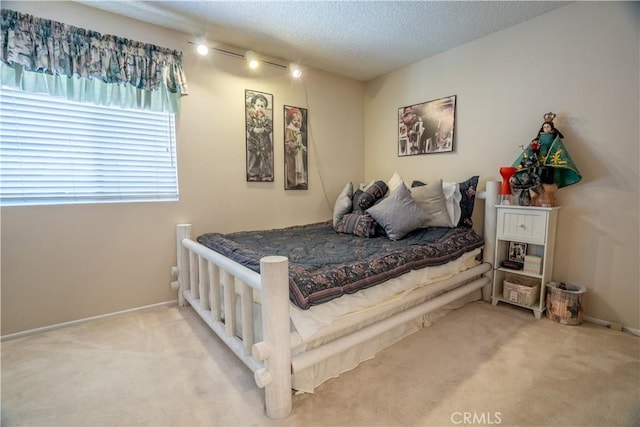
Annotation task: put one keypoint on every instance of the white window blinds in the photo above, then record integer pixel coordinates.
(54, 151)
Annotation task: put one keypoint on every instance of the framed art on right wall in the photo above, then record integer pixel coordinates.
(427, 128)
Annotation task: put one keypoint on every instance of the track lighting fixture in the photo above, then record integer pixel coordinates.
(253, 60)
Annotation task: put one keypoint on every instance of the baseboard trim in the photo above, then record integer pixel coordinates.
(608, 324)
(16, 335)
(85, 320)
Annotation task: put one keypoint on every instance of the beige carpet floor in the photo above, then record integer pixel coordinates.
(480, 365)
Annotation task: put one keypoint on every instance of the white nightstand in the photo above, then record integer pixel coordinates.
(535, 227)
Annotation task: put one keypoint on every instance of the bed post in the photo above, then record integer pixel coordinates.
(183, 231)
(490, 224)
(274, 272)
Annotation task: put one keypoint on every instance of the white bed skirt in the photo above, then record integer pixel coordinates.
(307, 380)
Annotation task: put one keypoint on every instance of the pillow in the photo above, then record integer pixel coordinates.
(431, 199)
(372, 194)
(355, 202)
(468, 192)
(358, 225)
(342, 205)
(452, 197)
(365, 186)
(398, 214)
(394, 182)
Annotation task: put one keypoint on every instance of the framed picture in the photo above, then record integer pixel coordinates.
(517, 251)
(295, 148)
(427, 128)
(259, 135)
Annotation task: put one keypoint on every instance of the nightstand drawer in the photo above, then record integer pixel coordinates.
(523, 224)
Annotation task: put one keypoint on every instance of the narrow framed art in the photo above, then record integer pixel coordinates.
(427, 127)
(259, 135)
(296, 163)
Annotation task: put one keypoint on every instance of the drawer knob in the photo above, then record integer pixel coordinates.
(522, 226)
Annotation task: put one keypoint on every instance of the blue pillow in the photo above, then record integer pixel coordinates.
(398, 214)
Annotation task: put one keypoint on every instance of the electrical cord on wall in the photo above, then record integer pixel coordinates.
(314, 150)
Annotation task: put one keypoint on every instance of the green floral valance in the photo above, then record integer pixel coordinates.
(44, 56)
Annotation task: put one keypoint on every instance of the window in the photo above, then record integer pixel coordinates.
(54, 151)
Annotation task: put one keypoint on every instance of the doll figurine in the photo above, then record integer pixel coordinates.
(551, 162)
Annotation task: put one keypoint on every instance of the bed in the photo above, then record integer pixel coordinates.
(296, 323)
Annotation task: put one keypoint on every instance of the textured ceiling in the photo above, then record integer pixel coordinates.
(356, 39)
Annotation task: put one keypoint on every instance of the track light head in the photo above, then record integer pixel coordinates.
(252, 59)
(296, 72)
(202, 49)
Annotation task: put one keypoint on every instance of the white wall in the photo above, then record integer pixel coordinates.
(63, 263)
(581, 62)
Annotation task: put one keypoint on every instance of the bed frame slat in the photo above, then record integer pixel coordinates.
(193, 275)
(246, 308)
(229, 303)
(214, 292)
(203, 284)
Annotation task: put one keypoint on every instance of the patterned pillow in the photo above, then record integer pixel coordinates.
(355, 202)
(372, 194)
(358, 225)
(398, 213)
(468, 192)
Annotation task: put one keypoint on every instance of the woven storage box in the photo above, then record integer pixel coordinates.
(521, 291)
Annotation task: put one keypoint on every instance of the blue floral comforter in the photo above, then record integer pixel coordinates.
(324, 265)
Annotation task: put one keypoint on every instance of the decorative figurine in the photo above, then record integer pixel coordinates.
(543, 167)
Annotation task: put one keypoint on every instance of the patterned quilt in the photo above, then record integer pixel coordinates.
(324, 265)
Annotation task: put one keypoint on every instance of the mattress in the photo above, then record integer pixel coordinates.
(324, 265)
(313, 322)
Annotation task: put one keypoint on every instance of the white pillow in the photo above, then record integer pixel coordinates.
(452, 198)
(343, 204)
(431, 199)
(394, 182)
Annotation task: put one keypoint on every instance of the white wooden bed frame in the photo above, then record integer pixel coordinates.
(201, 272)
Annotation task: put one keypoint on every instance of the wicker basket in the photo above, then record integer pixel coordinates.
(565, 303)
(521, 291)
